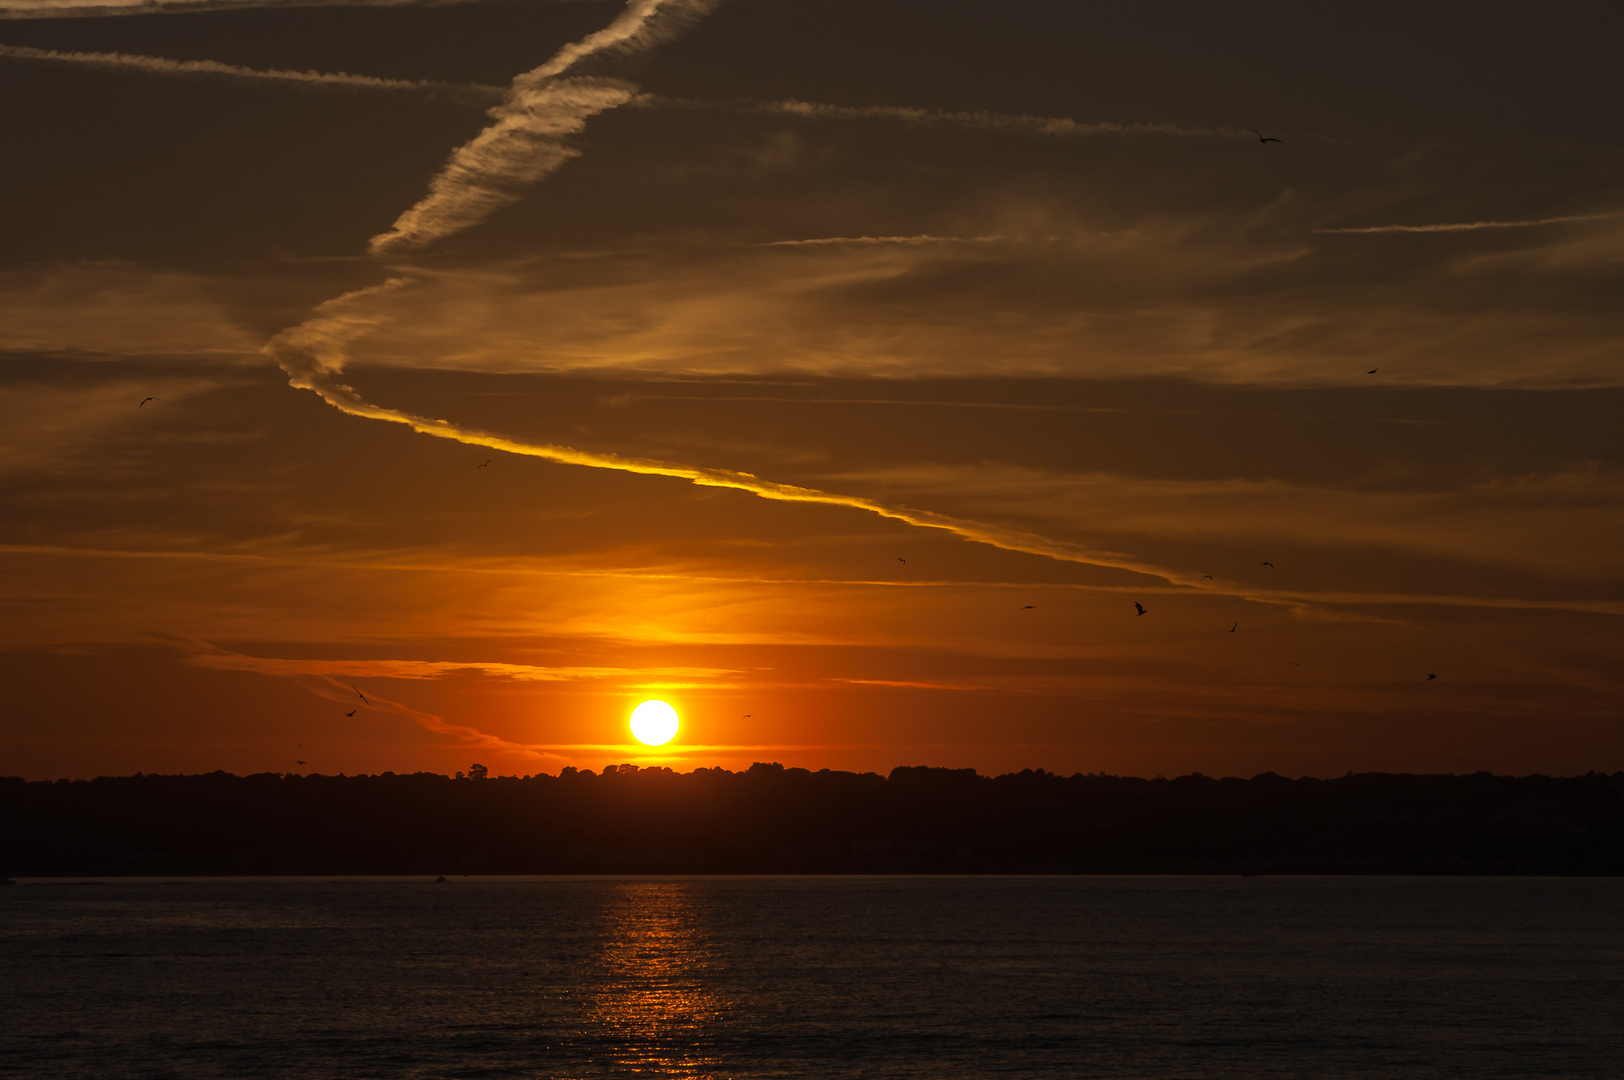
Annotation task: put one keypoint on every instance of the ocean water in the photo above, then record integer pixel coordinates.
(916, 977)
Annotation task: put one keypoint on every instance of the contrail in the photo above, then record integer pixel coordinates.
(92, 9)
(1472, 226)
(316, 350)
(527, 140)
(1010, 123)
(159, 65)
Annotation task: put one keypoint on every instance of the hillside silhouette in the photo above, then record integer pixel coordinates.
(771, 819)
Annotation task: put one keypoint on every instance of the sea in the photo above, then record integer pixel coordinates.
(893, 977)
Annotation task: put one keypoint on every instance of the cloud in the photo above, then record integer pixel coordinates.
(158, 65)
(1471, 226)
(1191, 299)
(527, 141)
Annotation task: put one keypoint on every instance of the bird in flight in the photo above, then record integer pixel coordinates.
(145, 400)
(1431, 677)
(1138, 609)
(1267, 563)
(1232, 628)
(358, 694)
(1373, 371)
(350, 713)
(900, 559)
(1206, 577)
(298, 763)
(1028, 607)
(482, 464)
(1262, 138)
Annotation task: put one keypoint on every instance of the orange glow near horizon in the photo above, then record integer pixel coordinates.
(1029, 422)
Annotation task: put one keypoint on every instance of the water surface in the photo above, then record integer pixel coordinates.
(905, 977)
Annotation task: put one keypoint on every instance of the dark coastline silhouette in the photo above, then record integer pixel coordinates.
(769, 819)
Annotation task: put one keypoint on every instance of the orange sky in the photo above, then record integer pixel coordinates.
(846, 373)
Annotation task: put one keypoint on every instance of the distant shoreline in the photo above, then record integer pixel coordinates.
(773, 820)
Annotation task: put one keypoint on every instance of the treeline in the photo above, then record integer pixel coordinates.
(770, 819)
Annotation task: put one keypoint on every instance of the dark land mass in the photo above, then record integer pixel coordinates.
(770, 819)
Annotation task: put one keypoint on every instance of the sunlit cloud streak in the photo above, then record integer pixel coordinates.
(980, 120)
(313, 352)
(1470, 226)
(159, 65)
(527, 142)
(93, 9)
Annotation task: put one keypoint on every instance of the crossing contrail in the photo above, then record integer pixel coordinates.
(527, 141)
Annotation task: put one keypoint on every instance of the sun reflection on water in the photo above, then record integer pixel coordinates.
(650, 1008)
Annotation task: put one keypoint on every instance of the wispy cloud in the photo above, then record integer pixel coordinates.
(158, 65)
(439, 669)
(527, 141)
(1472, 226)
(980, 120)
(326, 684)
(904, 241)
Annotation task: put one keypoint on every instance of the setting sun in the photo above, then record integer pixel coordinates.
(654, 723)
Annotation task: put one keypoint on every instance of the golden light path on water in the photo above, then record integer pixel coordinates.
(651, 1008)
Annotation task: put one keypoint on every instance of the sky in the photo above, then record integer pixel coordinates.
(842, 372)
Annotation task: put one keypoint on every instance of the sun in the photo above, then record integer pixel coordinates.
(654, 723)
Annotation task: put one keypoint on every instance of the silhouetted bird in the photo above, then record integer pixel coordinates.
(1206, 577)
(350, 713)
(298, 763)
(1138, 609)
(1028, 607)
(900, 559)
(1373, 371)
(145, 400)
(1431, 677)
(482, 464)
(1262, 138)
(1232, 628)
(358, 694)
(1270, 565)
